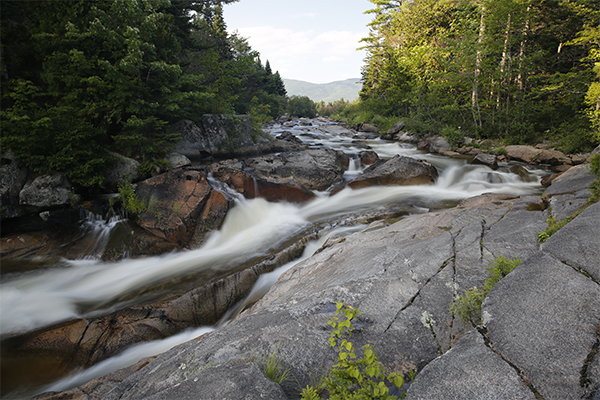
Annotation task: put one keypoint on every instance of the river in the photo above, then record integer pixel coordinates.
(89, 287)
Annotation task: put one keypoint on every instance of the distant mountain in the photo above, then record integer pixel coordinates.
(328, 92)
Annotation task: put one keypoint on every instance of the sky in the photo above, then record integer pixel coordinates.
(308, 40)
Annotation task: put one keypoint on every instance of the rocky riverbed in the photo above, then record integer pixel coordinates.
(540, 331)
(541, 323)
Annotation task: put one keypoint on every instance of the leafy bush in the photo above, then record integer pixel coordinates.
(301, 106)
(130, 200)
(353, 377)
(467, 307)
(454, 136)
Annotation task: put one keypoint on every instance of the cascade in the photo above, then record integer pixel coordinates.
(92, 287)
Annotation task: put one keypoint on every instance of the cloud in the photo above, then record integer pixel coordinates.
(302, 54)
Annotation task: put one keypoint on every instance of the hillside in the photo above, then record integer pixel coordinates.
(328, 92)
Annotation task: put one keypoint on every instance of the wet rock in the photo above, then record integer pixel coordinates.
(286, 135)
(96, 388)
(47, 191)
(402, 277)
(176, 201)
(486, 159)
(123, 170)
(435, 144)
(368, 157)
(406, 137)
(398, 170)
(288, 176)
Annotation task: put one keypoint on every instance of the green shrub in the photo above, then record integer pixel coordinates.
(467, 307)
(353, 377)
(130, 200)
(454, 136)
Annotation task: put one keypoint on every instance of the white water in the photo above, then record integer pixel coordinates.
(40, 298)
(252, 227)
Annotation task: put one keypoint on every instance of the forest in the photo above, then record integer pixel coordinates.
(517, 71)
(81, 77)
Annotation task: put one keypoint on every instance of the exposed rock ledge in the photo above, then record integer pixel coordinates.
(542, 322)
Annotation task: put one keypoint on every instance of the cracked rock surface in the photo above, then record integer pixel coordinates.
(541, 322)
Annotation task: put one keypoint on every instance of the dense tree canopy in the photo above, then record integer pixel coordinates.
(81, 77)
(516, 70)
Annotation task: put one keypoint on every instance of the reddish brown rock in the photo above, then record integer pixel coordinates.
(177, 200)
(398, 170)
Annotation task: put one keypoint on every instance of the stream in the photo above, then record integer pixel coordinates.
(89, 287)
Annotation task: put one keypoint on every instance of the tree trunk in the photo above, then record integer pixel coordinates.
(478, 57)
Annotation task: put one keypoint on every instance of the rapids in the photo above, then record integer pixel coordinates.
(91, 287)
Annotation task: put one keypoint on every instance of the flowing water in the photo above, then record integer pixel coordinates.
(91, 287)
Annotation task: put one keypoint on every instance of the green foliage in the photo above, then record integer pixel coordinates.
(301, 106)
(353, 377)
(553, 227)
(467, 307)
(454, 136)
(130, 200)
(595, 165)
(80, 77)
(515, 71)
(260, 114)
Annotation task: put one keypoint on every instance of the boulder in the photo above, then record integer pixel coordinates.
(398, 170)
(396, 128)
(290, 176)
(47, 191)
(289, 136)
(486, 159)
(216, 135)
(368, 128)
(368, 157)
(178, 160)
(176, 201)
(406, 137)
(123, 170)
(526, 154)
(435, 144)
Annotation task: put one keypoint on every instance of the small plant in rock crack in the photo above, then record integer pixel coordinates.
(353, 377)
(467, 307)
(274, 368)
